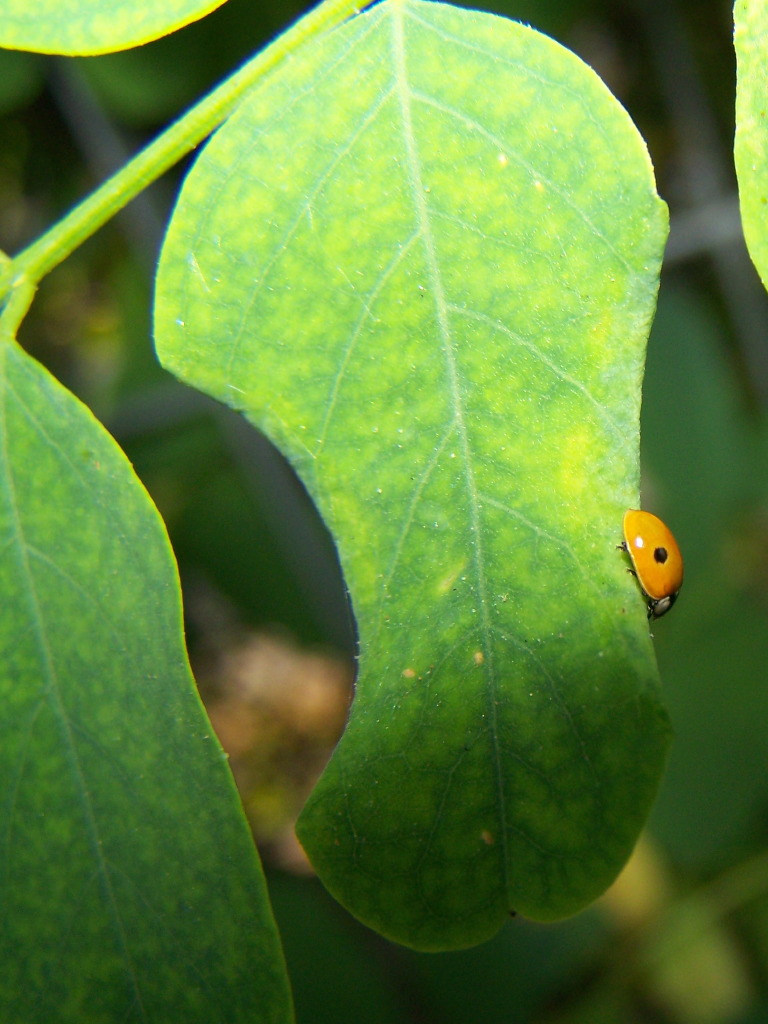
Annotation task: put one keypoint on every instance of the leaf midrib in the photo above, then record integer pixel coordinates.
(413, 165)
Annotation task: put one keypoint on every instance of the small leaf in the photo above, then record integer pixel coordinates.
(129, 886)
(751, 142)
(90, 26)
(424, 258)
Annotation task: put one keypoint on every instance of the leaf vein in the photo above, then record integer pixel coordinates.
(406, 96)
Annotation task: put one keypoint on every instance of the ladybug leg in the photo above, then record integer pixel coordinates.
(623, 547)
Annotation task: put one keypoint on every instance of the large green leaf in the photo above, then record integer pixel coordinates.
(423, 258)
(751, 143)
(91, 26)
(129, 886)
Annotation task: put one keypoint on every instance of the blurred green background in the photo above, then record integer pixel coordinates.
(683, 937)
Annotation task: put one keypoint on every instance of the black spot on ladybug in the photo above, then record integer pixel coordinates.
(660, 555)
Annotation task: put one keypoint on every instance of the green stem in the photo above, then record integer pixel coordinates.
(21, 275)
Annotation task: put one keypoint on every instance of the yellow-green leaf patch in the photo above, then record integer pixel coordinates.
(751, 143)
(82, 27)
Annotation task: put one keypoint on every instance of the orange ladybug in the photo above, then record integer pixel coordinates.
(656, 559)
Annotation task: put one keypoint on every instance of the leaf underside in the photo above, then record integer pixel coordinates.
(424, 259)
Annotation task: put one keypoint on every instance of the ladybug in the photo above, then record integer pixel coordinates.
(656, 559)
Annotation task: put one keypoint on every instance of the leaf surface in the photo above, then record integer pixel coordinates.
(423, 258)
(751, 141)
(88, 27)
(130, 889)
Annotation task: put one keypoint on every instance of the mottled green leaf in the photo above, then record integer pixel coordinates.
(91, 26)
(751, 143)
(423, 258)
(129, 886)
